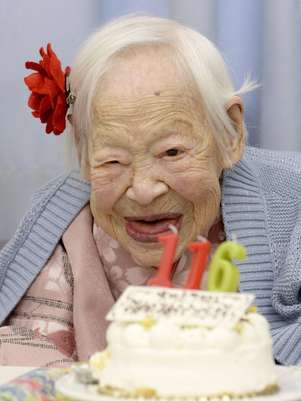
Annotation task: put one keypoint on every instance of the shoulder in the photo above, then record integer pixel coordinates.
(277, 158)
(54, 206)
(72, 183)
(279, 172)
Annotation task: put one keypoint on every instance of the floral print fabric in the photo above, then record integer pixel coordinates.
(121, 269)
(39, 332)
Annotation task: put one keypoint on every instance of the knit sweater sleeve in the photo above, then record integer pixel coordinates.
(261, 207)
(286, 298)
(53, 209)
(280, 174)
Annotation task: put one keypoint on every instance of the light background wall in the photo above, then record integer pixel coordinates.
(260, 37)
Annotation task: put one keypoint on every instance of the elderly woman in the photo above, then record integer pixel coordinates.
(159, 133)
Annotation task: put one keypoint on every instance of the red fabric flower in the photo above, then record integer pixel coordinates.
(49, 95)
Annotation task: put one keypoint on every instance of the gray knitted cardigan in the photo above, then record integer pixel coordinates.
(260, 205)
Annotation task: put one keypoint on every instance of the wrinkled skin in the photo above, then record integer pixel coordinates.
(151, 152)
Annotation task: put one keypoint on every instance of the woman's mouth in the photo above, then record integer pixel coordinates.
(148, 228)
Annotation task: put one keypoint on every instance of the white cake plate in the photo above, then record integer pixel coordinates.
(289, 382)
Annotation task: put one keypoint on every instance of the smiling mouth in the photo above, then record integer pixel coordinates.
(148, 228)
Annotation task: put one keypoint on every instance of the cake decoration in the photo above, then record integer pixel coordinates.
(183, 344)
(206, 308)
(223, 273)
(169, 343)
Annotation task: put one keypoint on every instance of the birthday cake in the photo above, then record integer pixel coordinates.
(171, 343)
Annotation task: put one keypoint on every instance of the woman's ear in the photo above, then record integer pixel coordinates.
(234, 108)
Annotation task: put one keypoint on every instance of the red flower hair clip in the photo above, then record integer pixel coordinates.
(51, 95)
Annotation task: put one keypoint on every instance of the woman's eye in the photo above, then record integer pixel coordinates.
(110, 162)
(173, 152)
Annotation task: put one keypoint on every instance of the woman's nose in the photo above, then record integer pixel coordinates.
(145, 189)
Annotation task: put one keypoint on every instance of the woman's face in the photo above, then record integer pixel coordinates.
(152, 158)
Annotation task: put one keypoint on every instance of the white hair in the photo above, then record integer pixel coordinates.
(200, 56)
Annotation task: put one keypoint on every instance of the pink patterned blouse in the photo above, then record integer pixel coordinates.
(40, 332)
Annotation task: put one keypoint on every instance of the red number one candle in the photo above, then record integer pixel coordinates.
(163, 276)
(198, 264)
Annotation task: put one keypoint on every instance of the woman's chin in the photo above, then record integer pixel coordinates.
(147, 257)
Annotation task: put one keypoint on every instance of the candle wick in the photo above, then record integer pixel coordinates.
(201, 238)
(173, 228)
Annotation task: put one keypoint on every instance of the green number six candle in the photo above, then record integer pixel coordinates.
(223, 275)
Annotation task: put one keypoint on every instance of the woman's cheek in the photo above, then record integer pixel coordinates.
(193, 186)
(107, 190)
(192, 177)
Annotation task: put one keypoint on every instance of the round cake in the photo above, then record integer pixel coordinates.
(184, 353)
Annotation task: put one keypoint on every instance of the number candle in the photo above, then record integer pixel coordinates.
(162, 278)
(223, 274)
(198, 264)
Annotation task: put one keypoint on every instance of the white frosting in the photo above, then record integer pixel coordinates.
(190, 361)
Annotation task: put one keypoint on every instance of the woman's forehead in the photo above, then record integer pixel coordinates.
(145, 91)
(162, 104)
(144, 73)
(170, 110)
